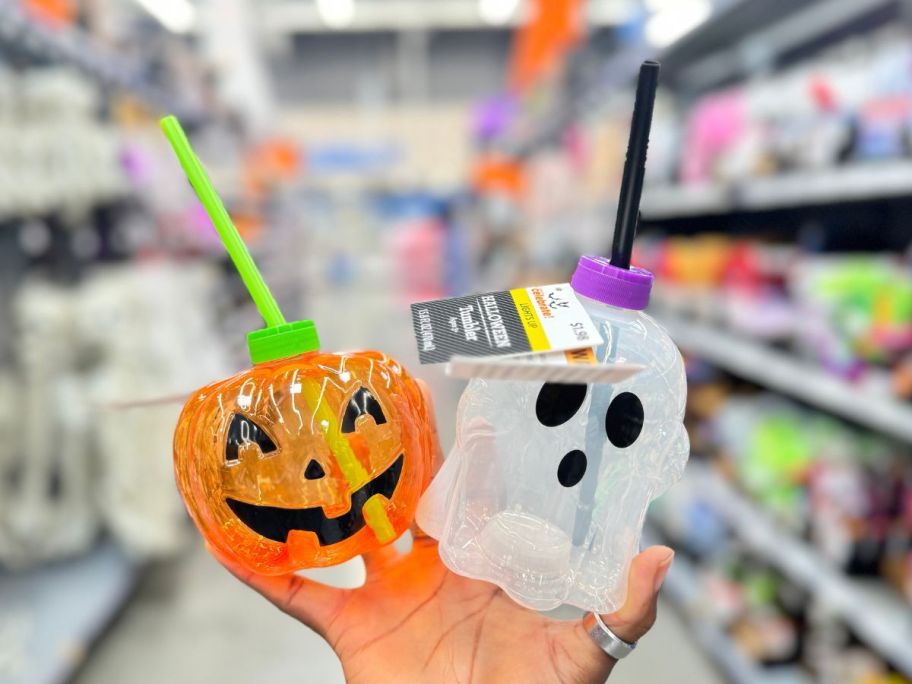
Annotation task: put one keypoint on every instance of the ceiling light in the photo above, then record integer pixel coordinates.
(659, 5)
(497, 12)
(336, 14)
(178, 16)
(672, 22)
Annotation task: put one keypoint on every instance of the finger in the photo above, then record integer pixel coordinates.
(419, 535)
(638, 614)
(437, 459)
(311, 602)
(379, 559)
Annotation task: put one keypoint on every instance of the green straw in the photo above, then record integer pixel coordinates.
(237, 250)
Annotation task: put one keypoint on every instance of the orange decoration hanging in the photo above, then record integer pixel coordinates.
(554, 27)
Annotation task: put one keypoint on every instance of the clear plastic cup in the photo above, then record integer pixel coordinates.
(546, 490)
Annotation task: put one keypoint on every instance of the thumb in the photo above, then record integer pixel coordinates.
(638, 614)
(428, 399)
(418, 534)
(313, 603)
(631, 622)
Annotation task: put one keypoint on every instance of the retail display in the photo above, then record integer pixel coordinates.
(52, 146)
(848, 314)
(46, 502)
(86, 360)
(129, 317)
(547, 487)
(837, 493)
(848, 105)
(309, 458)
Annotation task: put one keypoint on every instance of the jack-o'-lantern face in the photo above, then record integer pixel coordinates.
(306, 461)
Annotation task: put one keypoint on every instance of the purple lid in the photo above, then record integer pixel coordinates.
(597, 279)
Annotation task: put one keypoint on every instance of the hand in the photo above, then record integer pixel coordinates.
(415, 621)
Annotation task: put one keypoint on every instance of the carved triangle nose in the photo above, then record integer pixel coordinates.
(314, 471)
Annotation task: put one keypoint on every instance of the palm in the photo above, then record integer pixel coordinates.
(415, 621)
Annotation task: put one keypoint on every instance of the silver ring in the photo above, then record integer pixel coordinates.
(605, 639)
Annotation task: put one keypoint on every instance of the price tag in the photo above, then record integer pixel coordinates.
(547, 318)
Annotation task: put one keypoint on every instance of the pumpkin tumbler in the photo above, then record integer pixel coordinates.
(309, 458)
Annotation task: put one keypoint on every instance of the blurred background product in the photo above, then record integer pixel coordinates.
(379, 152)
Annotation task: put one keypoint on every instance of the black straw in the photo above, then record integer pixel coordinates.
(625, 226)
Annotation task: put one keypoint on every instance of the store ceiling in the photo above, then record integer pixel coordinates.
(295, 16)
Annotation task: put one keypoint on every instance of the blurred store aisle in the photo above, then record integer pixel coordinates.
(193, 622)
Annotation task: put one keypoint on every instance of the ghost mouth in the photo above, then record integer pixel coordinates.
(276, 523)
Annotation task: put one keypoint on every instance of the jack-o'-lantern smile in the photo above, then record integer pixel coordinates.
(276, 523)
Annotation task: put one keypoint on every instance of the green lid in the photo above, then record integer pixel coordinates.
(278, 340)
(282, 341)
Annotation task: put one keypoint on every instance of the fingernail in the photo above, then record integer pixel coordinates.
(664, 567)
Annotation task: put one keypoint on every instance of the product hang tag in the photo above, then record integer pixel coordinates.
(546, 318)
(578, 366)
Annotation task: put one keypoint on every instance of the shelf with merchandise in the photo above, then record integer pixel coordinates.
(875, 613)
(682, 589)
(867, 404)
(75, 47)
(735, 39)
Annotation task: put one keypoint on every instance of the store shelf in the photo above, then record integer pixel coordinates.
(878, 615)
(739, 38)
(859, 402)
(682, 589)
(678, 201)
(73, 46)
(754, 36)
(616, 72)
(52, 614)
(861, 182)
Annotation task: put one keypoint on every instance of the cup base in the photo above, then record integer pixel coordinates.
(513, 539)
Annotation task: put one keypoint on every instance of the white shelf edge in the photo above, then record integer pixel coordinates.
(789, 375)
(887, 627)
(860, 181)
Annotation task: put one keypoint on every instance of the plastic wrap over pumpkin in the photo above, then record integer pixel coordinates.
(306, 461)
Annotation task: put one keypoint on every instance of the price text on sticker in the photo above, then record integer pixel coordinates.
(531, 319)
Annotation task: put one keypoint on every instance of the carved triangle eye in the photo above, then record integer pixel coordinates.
(362, 403)
(244, 431)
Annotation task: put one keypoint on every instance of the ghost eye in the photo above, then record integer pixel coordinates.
(557, 403)
(244, 431)
(624, 420)
(362, 403)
